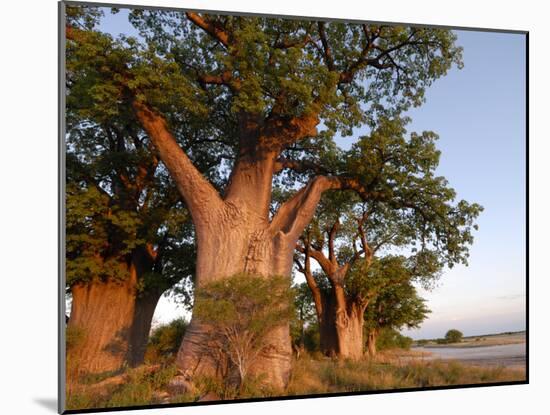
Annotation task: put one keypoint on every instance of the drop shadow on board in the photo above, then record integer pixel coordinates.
(48, 403)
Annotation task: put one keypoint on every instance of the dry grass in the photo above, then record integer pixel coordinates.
(389, 371)
(139, 386)
(311, 375)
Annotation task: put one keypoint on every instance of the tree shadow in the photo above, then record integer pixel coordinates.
(48, 403)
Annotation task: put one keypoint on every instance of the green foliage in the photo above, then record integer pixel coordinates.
(283, 67)
(254, 387)
(390, 338)
(268, 71)
(400, 174)
(243, 309)
(311, 339)
(142, 385)
(368, 279)
(412, 224)
(273, 68)
(303, 326)
(139, 390)
(165, 340)
(83, 17)
(396, 306)
(246, 301)
(121, 203)
(453, 336)
(90, 223)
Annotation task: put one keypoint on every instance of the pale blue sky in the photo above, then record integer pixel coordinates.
(479, 114)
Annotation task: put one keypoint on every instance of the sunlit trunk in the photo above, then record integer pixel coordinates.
(234, 233)
(102, 314)
(238, 239)
(371, 342)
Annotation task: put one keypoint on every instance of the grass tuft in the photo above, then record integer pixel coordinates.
(146, 385)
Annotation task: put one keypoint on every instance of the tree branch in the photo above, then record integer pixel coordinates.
(348, 75)
(287, 43)
(199, 195)
(281, 131)
(211, 28)
(315, 291)
(299, 166)
(327, 52)
(294, 214)
(331, 237)
(225, 78)
(319, 256)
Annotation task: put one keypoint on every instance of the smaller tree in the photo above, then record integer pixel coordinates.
(242, 310)
(453, 336)
(397, 306)
(390, 338)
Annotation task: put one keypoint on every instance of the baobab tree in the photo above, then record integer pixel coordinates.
(129, 235)
(129, 239)
(421, 217)
(352, 277)
(259, 87)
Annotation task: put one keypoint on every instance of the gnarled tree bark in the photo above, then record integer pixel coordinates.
(111, 320)
(234, 233)
(101, 318)
(340, 315)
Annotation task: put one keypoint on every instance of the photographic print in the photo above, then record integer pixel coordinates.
(278, 207)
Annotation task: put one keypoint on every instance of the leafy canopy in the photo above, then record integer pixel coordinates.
(203, 73)
(121, 203)
(404, 211)
(396, 307)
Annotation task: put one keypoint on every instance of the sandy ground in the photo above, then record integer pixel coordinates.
(507, 350)
(483, 341)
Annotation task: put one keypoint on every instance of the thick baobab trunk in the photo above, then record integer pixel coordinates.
(349, 328)
(237, 243)
(234, 232)
(328, 337)
(341, 327)
(110, 320)
(102, 313)
(146, 304)
(371, 342)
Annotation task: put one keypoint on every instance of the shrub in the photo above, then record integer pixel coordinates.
(165, 340)
(392, 339)
(243, 309)
(312, 339)
(453, 336)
